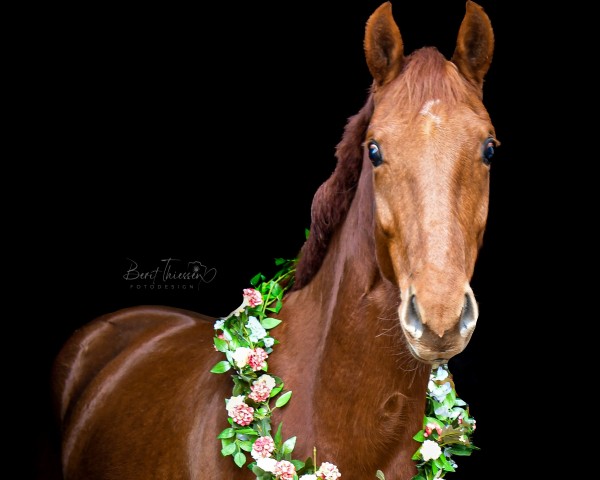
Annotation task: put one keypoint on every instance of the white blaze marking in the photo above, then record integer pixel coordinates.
(426, 111)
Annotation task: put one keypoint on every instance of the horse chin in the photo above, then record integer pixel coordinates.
(435, 359)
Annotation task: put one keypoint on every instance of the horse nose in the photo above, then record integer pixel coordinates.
(413, 322)
(469, 314)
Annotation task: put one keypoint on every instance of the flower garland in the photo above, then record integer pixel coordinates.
(244, 337)
(447, 425)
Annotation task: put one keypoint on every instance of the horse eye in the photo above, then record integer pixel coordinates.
(375, 154)
(488, 150)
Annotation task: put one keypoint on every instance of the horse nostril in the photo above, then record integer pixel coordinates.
(414, 325)
(468, 317)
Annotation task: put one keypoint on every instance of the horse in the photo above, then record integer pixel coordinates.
(381, 294)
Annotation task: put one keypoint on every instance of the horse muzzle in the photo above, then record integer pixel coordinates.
(438, 328)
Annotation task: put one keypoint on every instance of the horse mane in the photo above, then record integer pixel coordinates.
(425, 75)
(333, 198)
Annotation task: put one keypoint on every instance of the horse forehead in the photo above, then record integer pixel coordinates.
(433, 117)
(432, 122)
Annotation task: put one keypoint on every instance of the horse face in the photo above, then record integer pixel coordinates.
(430, 141)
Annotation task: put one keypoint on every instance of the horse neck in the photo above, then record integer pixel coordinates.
(346, 354)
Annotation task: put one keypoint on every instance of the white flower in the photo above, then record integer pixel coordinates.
(219, 324)
(267, 464)
(440, 374)
(430, 450)
(439, 392)
(257, 331)
(443, 411)
(268, 380)
(241, 356)
(234, 402)
(269, 341)
(308, 477)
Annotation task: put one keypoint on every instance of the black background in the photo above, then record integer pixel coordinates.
(202, 134)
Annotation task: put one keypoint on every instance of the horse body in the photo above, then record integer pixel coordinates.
(381, 294)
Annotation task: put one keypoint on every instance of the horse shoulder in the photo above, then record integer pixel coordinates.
(92, 347)
(139, 377)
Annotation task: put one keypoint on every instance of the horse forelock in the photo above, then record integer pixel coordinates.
(334, 197)
(426, 76)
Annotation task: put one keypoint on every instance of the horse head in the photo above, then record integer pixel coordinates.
(430, 142)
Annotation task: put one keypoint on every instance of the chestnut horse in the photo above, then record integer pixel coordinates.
(381, 294)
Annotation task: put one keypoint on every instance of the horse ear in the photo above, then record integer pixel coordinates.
(384, 49)
(475, 45)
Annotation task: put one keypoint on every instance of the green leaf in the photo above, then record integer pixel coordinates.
(298, 464)
(277, 437)
(246, 431)
(280, 261)
(221, 344)
(269, 323)
(461, 450)
(265, 426)
(221, 367)
(275, 391)
(288, 445)
(239, 458)
(246, 445)
(445, 464)
(256, 470)
(229, 449)
(450, 398)
(419, 436)
(256, 279)
(306, 233)
(227, 433)
(226, 441)
(380, 476)
(284, 399)
(275, 289)
(308, 464)
(239, 389)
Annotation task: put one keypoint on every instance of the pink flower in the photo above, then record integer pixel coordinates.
(222, 337)
(233, 402)
(430, 427)
(284, 470)
(262, 448)
(328, 471)
(252, 297)
(257, 359)
(260, 392)
(242, 414)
